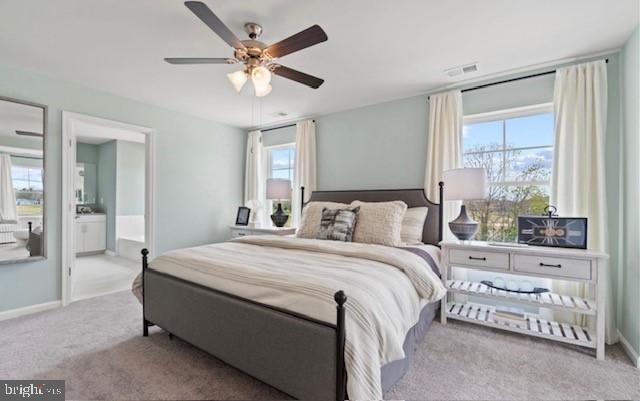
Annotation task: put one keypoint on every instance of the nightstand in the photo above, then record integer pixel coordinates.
(577, 265)
(241, 231)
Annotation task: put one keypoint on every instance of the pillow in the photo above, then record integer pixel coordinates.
(338, 224)
(311, 215)
(412, 225)
(379, 222)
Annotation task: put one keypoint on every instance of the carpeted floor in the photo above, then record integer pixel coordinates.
(95, 345)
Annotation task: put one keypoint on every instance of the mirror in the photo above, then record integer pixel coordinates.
(22, 193)
(86, 183)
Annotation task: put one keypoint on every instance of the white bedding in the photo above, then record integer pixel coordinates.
(386, 289)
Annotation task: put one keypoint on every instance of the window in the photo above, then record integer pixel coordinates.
(27, 183)
(516, 149)
(281, 164)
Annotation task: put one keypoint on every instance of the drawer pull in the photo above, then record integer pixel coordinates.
(547, 265)
(474, 258)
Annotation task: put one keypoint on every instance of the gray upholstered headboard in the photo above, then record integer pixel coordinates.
(432, 232)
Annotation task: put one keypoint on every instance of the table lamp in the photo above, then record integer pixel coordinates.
(279, 189)
(464, 184)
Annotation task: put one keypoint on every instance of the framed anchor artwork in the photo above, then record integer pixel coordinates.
(551, 230)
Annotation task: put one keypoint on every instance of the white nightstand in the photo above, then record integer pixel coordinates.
(551, 263)
(241, 231)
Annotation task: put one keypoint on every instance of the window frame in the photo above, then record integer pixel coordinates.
(268, 159)
(504, 115)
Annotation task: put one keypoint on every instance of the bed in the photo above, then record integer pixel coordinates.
(284, 336)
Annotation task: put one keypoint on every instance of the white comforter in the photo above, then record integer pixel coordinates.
(386, 288)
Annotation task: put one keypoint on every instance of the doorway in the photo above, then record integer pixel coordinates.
(108, 208)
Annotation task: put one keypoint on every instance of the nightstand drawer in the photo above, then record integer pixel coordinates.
(240, 233)
(550, 266)
(494, 260)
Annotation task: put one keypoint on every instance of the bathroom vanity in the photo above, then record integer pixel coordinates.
(91, 233)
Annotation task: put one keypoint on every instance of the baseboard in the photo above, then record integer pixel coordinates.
(27, 310)
(631, 353)
(109, 252)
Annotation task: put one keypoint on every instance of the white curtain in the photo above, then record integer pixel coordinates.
(8, 212)
(444, 147)
(254, 180)
(305, 166)
(578, 181)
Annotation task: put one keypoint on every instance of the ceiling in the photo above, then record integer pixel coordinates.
(377, 50)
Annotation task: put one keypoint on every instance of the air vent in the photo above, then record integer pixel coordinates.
(463, 69)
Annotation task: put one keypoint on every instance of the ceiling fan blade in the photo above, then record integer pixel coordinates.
(306, 79)
(201, 60)
(301, 40)
(212, 21)
(27, 133)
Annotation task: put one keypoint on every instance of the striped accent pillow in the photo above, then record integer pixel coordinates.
(413, 225)
(338, 224)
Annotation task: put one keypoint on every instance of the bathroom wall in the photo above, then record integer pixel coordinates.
(107, 188)
(130, 178)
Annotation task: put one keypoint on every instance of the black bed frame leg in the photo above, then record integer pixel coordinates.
(145, 265)
(341, 378)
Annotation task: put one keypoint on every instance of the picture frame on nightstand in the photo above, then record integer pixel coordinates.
(242, 217)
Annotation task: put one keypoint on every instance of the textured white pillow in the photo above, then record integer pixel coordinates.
(413, 224)
(311, 216)
(379, 222)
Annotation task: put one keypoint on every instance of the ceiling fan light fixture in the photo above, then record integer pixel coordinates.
(237, 79)
(261, 76)
(262, 91)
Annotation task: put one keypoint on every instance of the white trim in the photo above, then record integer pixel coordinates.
(505, 114)
(109, 252)
(27, 310)
(70, 123)
(631, 353)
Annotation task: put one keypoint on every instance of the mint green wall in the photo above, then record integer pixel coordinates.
(107, 188)
(199, 176)
(630, 300)
(130, 178)
(379, 146)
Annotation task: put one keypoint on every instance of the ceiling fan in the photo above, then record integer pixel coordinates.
(259, 59)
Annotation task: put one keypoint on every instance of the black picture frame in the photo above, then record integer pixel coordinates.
(560, 232)
(242, 217)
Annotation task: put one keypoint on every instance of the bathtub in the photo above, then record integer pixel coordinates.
(130, 236)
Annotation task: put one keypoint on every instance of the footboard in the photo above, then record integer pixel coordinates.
(300, 356)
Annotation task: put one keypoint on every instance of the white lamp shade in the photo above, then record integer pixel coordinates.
(261, 76)
(465, 183)
(262, 90)
(278, 188)
(237, 79)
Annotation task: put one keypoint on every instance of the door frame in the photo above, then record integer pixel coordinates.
(118, 130)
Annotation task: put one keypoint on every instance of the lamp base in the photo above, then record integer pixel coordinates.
(279, 218)
(464, 227)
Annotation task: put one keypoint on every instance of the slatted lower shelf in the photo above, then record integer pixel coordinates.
(547, 300)
(483, 314)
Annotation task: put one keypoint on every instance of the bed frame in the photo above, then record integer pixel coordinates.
(296, 354)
